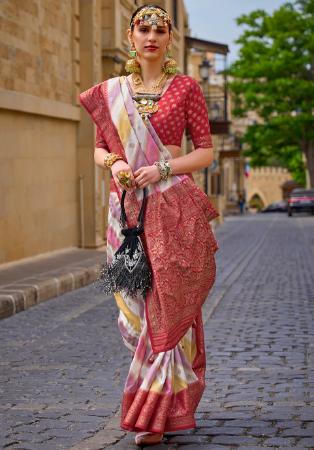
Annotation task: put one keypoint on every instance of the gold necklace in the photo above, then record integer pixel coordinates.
(146, 98)
(156, 88)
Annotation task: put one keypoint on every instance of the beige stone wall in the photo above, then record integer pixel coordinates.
(92, 218)
(36, 48)
(39, 82)
(266, 182)
(38, 185)
(50, 50)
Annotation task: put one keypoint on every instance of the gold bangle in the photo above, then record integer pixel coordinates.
(165, 170)
(110, 159)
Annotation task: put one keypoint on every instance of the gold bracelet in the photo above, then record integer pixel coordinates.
(110, 159)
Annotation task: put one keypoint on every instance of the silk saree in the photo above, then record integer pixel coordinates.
(164, 330)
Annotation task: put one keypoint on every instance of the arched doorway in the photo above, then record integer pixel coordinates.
(256, 203)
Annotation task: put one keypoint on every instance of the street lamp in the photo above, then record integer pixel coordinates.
(204, 71)
(215, 111)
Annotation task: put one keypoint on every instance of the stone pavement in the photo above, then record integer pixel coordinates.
(63, 364)
(28, 282)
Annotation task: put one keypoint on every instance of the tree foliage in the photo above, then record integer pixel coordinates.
(273, 76)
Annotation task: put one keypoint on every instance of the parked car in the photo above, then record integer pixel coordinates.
(301, 200)
(276, 207)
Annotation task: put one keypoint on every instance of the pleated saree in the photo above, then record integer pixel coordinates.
(164, 331)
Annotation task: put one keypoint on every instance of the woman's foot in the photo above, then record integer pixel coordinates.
(147, 438)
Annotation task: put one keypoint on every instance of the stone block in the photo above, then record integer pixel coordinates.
(193, 439)
(18, 299)
(307, 442)
(7, 307)
(198, 447)
(235, 440)
(82, 277)
(217, 431)
(29, 292)
(47, 289)
(279, 442)
(65, 283)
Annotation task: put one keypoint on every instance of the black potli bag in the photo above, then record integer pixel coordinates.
(129, 271)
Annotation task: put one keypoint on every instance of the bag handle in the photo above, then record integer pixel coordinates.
(140, 219)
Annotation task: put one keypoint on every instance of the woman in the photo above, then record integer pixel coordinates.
(140, 123)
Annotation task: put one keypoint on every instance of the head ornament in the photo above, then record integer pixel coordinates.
(151, 15)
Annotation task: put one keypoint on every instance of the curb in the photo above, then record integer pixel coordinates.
(28, 292)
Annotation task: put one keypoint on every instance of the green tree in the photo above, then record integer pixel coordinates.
(273, 76)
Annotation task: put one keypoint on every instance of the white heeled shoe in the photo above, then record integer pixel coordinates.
(148, 438)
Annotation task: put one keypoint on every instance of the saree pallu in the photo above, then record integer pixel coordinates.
(163, 330)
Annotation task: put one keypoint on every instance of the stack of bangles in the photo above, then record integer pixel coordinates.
(164, 168)
(110, 159)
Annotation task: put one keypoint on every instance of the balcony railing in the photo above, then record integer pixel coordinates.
(217, 108)
(217, 113)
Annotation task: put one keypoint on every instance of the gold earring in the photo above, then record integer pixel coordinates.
(170, 66)
(132, 65)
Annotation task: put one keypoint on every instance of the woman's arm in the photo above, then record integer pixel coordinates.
(99, 156)
(198, 159)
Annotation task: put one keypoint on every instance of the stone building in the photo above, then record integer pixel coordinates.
(52, 194)
(226, 176)
(264, 185)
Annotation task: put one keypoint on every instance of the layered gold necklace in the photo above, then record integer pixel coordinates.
(146, 99)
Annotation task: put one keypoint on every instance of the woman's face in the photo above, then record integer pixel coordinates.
(150, 43)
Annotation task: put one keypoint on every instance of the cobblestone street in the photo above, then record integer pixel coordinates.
(63, 363)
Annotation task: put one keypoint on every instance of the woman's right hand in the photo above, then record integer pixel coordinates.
(119, 166)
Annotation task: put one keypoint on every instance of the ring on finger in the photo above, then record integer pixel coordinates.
(126, 184)
(124, 178)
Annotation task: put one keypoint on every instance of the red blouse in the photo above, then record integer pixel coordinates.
(181, 107)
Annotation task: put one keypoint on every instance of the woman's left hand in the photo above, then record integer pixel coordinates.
(146, 175)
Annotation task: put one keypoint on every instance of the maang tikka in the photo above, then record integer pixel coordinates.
(153, 16)
(132, 65)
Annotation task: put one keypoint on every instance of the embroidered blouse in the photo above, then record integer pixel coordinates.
(182, 106)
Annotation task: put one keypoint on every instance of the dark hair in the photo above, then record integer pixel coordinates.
(145, 6)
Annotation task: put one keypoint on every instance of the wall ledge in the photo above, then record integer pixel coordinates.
(31, 104)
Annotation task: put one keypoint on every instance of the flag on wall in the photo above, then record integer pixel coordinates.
(247, 170)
